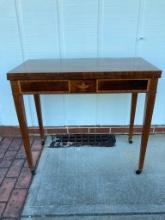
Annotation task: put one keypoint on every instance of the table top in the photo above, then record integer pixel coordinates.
(84, 68)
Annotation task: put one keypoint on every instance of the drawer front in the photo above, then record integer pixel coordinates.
(82, 86)
(56, 86)
(121, 85)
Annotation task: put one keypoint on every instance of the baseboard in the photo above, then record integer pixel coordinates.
(115, 129)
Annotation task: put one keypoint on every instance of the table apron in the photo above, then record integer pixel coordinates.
(83, 86)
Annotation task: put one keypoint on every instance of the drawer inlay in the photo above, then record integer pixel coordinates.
(121, 85)
(57, 86)
(82, 86)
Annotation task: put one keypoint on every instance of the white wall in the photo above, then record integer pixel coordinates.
(76, 28)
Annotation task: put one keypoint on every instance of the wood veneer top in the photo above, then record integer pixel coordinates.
(91, 68)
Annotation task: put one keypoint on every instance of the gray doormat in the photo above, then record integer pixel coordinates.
(88, 181)
(77, 140)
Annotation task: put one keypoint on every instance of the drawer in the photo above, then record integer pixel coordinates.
(121, 85)
(39, 86)
(82, 86)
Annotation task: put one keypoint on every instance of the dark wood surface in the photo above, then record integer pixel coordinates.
(91, 68)
(39, 115)
(132, 115)
(20, 110)
(93, 75)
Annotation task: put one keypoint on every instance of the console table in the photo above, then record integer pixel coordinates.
(92, 75)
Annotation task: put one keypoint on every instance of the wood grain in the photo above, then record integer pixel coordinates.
(91, 68)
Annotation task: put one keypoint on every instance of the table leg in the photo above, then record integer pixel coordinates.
(132, 117)
(20, 110)
(39, 115)
(149, 106)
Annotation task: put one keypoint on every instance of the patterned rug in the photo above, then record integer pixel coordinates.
(77, 140)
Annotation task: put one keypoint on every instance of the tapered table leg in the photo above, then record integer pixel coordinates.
(20, 110)
(132, 116)
(39, 116)
(149, 106)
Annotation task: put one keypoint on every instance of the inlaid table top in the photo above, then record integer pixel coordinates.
(84, 68)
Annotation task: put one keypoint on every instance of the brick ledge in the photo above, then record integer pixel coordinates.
(115, 129)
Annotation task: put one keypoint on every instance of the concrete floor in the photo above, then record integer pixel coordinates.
(88, 183)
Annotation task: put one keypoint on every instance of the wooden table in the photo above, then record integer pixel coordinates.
(93, 75)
